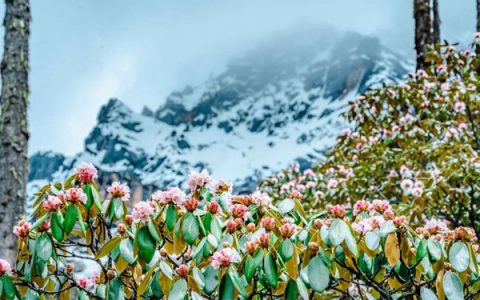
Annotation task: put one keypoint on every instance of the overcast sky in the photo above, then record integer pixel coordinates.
(84, 52)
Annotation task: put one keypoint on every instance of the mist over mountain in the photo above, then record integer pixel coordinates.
(277, 104)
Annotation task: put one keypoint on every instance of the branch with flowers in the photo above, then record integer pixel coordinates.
(207, 244)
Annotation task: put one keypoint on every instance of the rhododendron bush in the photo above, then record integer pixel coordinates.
(206, 243)
(415, 144)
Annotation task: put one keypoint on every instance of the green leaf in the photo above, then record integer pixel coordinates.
(452, 286)
(71, 216)
(146, 245)
(250, 268)
(421, 250)
(387, 228)
(237, 282)
(118, 208)
(108, 247)
(427, 294)
(286, 250)
(87, 189)
(115, 290)
(96, 198)
(337, 231)
(226, 288)
(153, 231)
(459, 256)
(351, 242)
(318, 274)
(126, 251)
(56, 228)
(211, 280)
(199, 278)
(216, 229)
(372, 239)
(435, 249)
(190, 229)
(291, 292)
(9, 290)
(171, 216)
(286, 206)
(43, 247)
(270, 269)
(302, 289)
(178, 290)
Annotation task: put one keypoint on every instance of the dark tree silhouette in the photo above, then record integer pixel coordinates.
(13, 121)
(435, 22)
(423, 32)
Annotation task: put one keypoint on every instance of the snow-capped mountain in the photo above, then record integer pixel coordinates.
(277, 104)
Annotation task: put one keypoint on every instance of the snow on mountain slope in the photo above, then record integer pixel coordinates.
(277, 104)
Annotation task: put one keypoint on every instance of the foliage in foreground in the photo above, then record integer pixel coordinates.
(214, 245)
(415, 145)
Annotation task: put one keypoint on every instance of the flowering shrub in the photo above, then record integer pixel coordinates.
(208, 243)
(415, 145)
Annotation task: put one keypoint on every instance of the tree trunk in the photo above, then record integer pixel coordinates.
(436, 22)
(423, 35)
(13, 122)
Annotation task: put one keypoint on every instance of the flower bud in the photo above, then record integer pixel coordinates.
(287, 230)
(313, 247)
(317, 223)
(231, 226)
(163, 252)
(268, 223)
(129, 219)
(182, 271)
(69, 267)
(264, 240)
(213, 207)
(111, 274)
(251, 246)
(121, 228)
(251, 227)
(191, 204)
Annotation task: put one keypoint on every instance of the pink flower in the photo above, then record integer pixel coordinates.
(360, 206)
(142, 211)
(119, 190)
(388, 214)
(5, 267)
(434, 226)
(268, 223)
(459, 106)
(231, 226)
(338, 211)
(310, 185)
(392, 174)
(462, 126)
(406, 186)
(379, 206)
(363, 226)
(224, 258)
(86, 172)
(190, 204)
(76, 195)
(261, 199)
(239, 211)
(84, 282)
(287, 230)
(171, 195)
(441, 68)
(309, 172)
(332, 184)
(198, 180)
(213, 207)
(52, 203)
(22, 229)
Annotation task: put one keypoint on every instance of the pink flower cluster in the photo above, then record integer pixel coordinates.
(22, 229)
(171, 195)
(5, 267)
(142, 211)
(198, 180)
(52, 203)
(224, 257)
(76, 195)
(86, 173)
(261, 199)
(119, 190)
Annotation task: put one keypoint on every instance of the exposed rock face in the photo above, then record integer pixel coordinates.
(278, 104)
